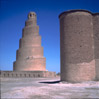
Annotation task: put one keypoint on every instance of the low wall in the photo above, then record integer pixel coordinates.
(27, 74)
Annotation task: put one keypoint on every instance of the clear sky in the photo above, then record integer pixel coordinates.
(13, 14)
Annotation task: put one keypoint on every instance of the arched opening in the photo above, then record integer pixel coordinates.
(38, 75)
(20, 75)
(33, 75)
(4, 75)
(29, 75)
(24, 75)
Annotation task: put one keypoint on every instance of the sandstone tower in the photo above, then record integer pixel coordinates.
(96, 42)
(77, 45)
(29, 56)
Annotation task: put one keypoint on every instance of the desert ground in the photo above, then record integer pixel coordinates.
(47, 88)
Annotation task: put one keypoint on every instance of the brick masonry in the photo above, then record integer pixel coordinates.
(29, 74)
(77, 46)
(96, 41)
(29, 56)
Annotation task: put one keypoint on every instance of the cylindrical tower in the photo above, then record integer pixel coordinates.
(96, 42)
(77, 46)
(29, 56)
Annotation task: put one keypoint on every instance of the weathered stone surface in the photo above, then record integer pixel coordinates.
(30, 41)
(29, 53)
(29, 56)
(77, 46)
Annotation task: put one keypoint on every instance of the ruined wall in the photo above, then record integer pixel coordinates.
(27, 74)
(96, 42)
(29, 56)
(77, 46)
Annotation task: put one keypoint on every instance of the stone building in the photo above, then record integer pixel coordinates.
(30, 61)
(79, 45)
(29, 56)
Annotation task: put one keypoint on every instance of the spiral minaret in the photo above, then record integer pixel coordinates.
(29, 56)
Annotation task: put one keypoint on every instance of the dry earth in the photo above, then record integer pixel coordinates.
(47, 88)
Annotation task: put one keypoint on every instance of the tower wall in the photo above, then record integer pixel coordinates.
(30, 64)
(30, 41)
(77, 46)
(26, 53)
(96, 42)
(29, 56)
(30, 30)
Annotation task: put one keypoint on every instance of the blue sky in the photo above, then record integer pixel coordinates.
(13, 14)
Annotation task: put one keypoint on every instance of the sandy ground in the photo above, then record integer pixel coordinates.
(47, 88)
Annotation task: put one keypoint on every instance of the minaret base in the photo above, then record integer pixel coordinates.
(36, 64)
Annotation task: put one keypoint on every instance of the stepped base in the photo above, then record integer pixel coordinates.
(35, 64)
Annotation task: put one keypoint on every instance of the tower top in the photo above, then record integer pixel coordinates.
(73, 11)
(32, 19)
(31, 15)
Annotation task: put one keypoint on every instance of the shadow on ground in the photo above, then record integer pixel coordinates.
(50, 82)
